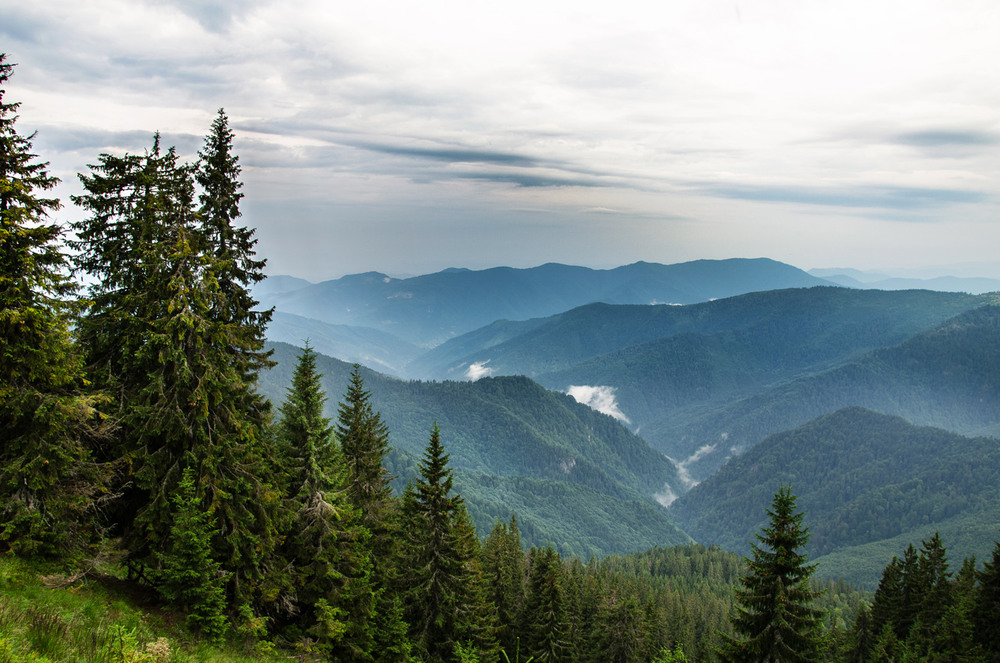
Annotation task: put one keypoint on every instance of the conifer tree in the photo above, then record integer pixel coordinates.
(773, 619)
(544, 620)
(364, 441)
(504, 567)
(326, 545)
(364, 444)
(153, 338)
(187, 575)
(445, 598)
(47, 416)
(987, 605)
(235, 267)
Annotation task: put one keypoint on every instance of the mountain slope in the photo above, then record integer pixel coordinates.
(362, 345)
(948, 377)
(862, 478)
(427, 310)
(512, 441)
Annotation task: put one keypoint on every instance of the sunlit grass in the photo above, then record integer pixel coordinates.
(94, 620)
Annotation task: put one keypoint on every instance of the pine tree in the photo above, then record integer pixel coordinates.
(986, 615)
(154, 338)
(364, 444)
(187, 575)
(326, 545)
(444, 597)
(773, 618)
(47, 415)
(544, 621)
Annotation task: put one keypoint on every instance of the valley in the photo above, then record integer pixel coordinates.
(701, 391)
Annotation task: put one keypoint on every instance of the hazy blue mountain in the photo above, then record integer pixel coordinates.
(867, 482)
(947, 377)
(517, 446)
(790, 329)
(370, 347)
(970, 285)
(278, 285)
(428, 310)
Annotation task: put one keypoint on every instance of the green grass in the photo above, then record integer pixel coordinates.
(99, 619)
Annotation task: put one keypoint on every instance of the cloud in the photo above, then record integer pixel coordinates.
(948, 138)
(860, 196)
(478, 370)
(599, 398)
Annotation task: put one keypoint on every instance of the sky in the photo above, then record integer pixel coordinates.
(408, 137)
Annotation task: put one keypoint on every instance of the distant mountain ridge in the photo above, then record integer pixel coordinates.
(429, 309)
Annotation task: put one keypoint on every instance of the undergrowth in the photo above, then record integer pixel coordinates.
(97, 619)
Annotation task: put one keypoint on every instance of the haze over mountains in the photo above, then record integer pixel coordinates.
(697, 364)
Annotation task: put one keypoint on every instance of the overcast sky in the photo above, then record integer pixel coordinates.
(407, 137)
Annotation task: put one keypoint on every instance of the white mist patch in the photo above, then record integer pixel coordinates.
(478, 370)
(682, 467)
(666, 496)
(601, 399)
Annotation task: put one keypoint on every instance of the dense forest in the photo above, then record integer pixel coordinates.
(136, 445)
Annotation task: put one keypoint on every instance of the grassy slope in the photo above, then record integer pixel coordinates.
(99, 619)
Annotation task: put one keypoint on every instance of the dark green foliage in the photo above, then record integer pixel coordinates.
(920, 612)
(165, 339)
(864, 477)
(48, 477)
(504, 568)
(326, 545)
(774, 618)
(445, 599)
(364, 444)
(987, 605)
(544, 620)
(187, 575)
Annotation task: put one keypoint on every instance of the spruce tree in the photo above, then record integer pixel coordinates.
(986, 614)
(445, 597)
(772, 617)
(326, 545)
(47, 415)
(187, 575)
(544, 621)
(504, 567)
(155, 340)
(236, 267)
(364, 444)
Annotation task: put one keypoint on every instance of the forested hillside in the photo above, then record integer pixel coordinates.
(946, 377)
(862, 478)
(577, 479)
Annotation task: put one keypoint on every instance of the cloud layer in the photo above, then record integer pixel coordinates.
(409, 137)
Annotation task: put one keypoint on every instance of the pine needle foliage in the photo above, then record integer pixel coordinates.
(48, 416)
(773, 618)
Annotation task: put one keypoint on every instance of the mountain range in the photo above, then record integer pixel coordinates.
(692, 391)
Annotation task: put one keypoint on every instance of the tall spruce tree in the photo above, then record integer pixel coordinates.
(986, 614)
(47, 416)
(773, 618)
(445, 597)
(236, 267)
(154, 338)
(326, 545)
(544, 621)
(503, 563)
(364, 444)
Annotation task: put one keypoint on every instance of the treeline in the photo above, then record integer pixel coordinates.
(922, 611)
